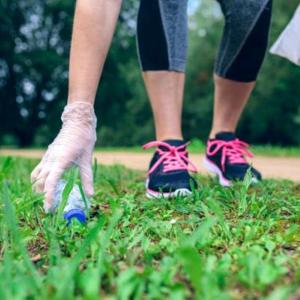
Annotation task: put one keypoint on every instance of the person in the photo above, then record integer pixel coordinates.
(162, 33)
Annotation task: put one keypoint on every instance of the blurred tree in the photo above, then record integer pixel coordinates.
(121, 102)
(205, 33)
(272, 115)
(34, 69)
(34, 49)
(33, 63)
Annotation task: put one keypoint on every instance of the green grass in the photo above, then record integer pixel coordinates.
(197, 146)
(236, 243)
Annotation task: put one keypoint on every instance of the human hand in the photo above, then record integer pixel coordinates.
(73, 145)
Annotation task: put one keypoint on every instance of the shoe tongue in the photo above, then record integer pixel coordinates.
(225, 136)
(175, 143)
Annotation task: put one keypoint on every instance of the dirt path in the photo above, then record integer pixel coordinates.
(271, 167)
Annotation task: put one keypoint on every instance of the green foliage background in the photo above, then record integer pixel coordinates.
(34, 48)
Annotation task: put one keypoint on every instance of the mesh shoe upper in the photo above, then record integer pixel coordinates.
(169, 167)
(229, 154)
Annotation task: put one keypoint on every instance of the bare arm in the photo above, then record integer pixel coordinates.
(94, 25)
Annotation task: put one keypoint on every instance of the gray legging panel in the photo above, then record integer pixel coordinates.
(162, 36)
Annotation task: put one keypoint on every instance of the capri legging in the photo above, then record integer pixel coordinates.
(162, 37)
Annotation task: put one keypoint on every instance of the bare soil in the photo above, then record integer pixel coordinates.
(271, 167)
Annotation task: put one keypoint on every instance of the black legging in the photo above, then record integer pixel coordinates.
(162, 37)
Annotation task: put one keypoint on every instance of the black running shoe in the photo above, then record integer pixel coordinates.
(168, 174)
(226, 158)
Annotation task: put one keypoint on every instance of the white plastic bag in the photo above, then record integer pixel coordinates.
(288, 44)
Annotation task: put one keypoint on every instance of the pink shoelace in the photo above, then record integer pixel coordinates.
(173, 158)
(235, 151)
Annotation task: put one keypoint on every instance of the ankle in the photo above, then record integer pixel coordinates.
(165, 137)
(216, 131)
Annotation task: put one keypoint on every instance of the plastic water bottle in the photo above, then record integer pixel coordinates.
(76, 207)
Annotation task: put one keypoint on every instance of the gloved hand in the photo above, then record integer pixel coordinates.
(73, 146)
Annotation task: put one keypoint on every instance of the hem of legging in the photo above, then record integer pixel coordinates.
(234, 78)
(244, 41)
(162, 70)
(176, 65)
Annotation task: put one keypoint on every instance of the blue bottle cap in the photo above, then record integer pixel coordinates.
(77, 214)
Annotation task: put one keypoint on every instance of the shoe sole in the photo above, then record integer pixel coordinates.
(150, 194)
(214, 169)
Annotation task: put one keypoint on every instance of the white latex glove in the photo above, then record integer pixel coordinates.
(74, 145)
